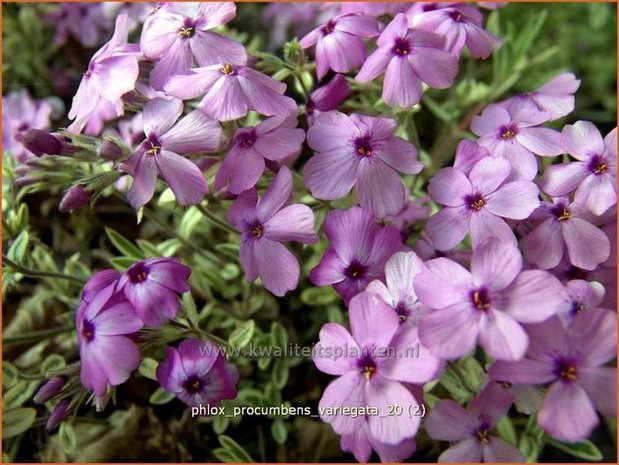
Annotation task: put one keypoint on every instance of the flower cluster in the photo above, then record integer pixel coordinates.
(504, 259)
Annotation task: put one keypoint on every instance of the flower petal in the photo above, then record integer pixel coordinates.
(183, 176)
(277, 267)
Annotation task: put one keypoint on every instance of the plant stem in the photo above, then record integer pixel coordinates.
(36, 335)
(39, 273)
(215, 220)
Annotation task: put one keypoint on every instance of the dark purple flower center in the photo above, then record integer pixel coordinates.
(597, 165)
(355, 270)
(482, 433)
(310, 106)
(561, 212)
(88, 331)
(577, 307)
(429, 7)
(153, 145)
(246, 140)
(456, 16)
(193, 384)
(138, 273)
(566, 370)
(363, 146)
(329, 27)
(367, 366)
(402, 312)
(508, 131)
(481, 299)
(257, 231)
(401, 46)
(187, 31)
(575, 273)
(229, 70)
(475, 202)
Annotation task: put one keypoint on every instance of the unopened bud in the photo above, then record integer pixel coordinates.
(110, 150)
(75, 197)
(59, 414)
(40, 142)
(49, 390)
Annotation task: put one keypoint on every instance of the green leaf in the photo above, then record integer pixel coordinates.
(148, 248)
(21, 392)
(148, 368)
(121, 263)
(474, 373)
(161, 396)
(316, 296)
(124, 245)
(190, 308)
(51, 363)
(220, 424)
(279, 334)
(279, 431)
(585, 450)
(528, 34)
(9, 375)
(15, 422)
(234, 450)
(454, 384)
(530, 448)
(280, 373)
(506, 431)
(223, 455)
(242, 335)
(17, 251)
(66, 436)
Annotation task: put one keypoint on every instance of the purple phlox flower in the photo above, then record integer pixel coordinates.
(471, 429)
(580, 297)
(361, 443)
(137, 11)
(468, 153)
(301, 17)
(593, 176)
(409, 57)
(478, 203)
(571, 361)
(517, 138)
(359, 248)
(371, 362)
(19, 114)
(104, 320)
(606, 275)
(264, 224)
(373, 8)
(153, 286)
(398, 292)
(527, 398)
(130, 131)
(198, 374)
(229, 91)
(177, 34)
(486, 304)
(359, 150)
(417, 8)
(563, 225)
(425, 249)
(162, 150)
(105, 111)
(414, 210)
(610, 229)
(272, 140)
(339, 42)
(461, 25)
(85, 22)
(556, 98)
(111, 73)
(327, 97)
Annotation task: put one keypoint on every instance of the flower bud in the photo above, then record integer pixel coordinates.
(74, 198)
(59, 414)
(109, 150)
(49, 390)
(39, 142)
